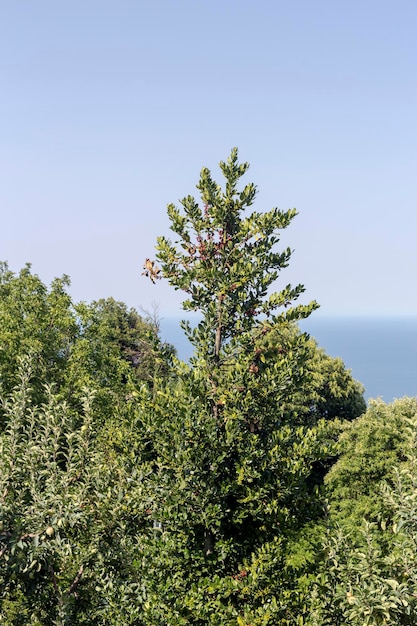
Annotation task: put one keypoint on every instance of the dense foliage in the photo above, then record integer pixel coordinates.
(101, 345)
(369, 575)
(64, 543)
(232, 464)
(250, 486)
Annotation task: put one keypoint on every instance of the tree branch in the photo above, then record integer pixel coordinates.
(76, 580)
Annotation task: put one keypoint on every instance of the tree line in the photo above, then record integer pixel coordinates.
(250, 486)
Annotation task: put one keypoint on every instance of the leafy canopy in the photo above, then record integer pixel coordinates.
(230, 469)
(225, 261)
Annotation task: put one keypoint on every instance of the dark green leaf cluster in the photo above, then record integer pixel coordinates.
(235, 437)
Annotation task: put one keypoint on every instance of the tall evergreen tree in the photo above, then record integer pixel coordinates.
(228, 487)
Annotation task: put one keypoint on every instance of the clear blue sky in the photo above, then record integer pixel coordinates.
(109, 109)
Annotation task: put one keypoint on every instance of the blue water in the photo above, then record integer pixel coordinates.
(381, 352)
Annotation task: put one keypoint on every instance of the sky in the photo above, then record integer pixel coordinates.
(109, 110)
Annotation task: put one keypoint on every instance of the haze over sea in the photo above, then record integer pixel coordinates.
(380, 351)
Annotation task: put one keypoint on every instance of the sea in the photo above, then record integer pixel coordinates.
(381, 352)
